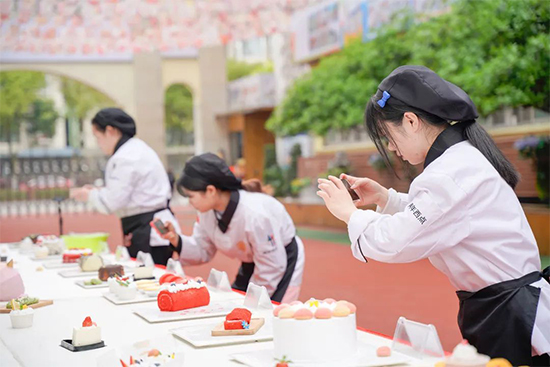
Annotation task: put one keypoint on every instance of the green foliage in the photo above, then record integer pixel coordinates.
(82, 99)
(42, 117)
(18, 90)
(292, 171)
(537, 148)
(238, 69)
(498, 51)
(298, 185)
(283, 181)
(273, 174)
(178, 108)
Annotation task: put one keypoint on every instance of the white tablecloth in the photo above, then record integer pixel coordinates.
(39, 345)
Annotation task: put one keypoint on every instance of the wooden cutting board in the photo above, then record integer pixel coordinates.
(41, 303)
(255, 325)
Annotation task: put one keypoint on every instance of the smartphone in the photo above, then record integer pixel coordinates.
(353, 194)
(159, 226)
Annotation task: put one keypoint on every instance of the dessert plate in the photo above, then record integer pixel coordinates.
(140, 298)
(200, 335)
(58, 264)
(365, 357)
(152, 314)
(95, 286)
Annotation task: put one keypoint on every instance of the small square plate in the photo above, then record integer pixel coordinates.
(68, 344)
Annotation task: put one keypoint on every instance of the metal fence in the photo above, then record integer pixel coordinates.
(38, 185)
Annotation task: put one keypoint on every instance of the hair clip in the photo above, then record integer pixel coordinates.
(383, 100)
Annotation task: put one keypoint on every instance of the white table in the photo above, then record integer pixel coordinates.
(39, 345)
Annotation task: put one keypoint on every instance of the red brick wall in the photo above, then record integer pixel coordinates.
(316, 166)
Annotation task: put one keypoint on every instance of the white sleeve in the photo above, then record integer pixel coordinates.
(435, 219)
(396, 203)
(198, 248)
(269, 254)
(119, 183)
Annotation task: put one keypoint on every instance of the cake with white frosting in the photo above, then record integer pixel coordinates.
(465, 354)
(88, 334)
(316, 331)
(91, 262)
(143, 272)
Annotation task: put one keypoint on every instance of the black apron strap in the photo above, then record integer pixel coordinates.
(140, 230)
(499, 319)
(246, 270)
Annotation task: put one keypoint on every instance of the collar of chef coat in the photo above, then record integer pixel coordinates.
(123, 139)
(450, 136)
(227, 215)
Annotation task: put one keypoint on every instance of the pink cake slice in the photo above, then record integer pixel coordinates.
(11, 284)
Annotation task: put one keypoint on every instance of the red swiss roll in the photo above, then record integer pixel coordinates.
(189, 298)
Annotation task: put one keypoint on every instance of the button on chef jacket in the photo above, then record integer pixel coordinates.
(258, 232)
(135, 183)
(462, 216)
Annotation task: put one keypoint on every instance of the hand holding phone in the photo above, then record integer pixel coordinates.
(159, 226)
(352, 193)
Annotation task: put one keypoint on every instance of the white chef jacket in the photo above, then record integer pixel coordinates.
(258, 232)
(462, 216)
(135, 183)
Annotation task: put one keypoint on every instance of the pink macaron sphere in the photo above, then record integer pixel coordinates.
(329, 300)
(286, 313)
(303, 314)
(279, 308)
(341, 310)
(352, 307)
(323, 313)
(296, 303)
(383, 351)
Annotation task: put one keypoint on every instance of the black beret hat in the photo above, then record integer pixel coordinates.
(208, 169)
(117, 118)
(421, 88)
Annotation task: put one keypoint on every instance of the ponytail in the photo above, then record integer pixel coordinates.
(479, 138)
(252, 185)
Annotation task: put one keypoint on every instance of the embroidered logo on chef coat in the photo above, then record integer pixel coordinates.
(417, 213)
(271, 240)
(241, 246)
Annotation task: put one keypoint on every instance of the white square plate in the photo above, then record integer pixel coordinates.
(153, 314)
(201, 335)
(81, 283)
(365, 357)
(140, 298)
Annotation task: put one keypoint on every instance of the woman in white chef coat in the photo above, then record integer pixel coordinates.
(137, 187)
(461, 213)
(250, 226)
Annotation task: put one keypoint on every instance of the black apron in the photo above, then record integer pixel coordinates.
(498, 320)
(138, 225)
(246, 270)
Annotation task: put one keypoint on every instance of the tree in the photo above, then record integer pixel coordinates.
(178, 108)
(42, 117)
(498, 51)
(80, 100)
(178, 115)
(18, 90)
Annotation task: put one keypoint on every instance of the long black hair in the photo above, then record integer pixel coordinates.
(376, 118)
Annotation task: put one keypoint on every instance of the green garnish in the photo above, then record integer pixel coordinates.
(94, 281)
(23, 301)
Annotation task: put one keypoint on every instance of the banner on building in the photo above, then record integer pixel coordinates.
(316, 31)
